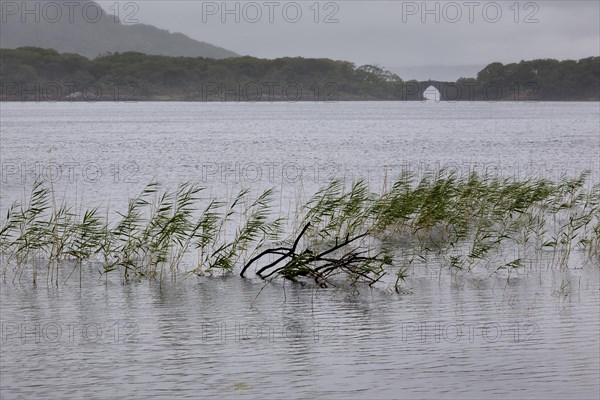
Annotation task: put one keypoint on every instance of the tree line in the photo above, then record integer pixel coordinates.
(35, 74)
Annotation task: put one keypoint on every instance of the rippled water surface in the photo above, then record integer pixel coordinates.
(466, 336)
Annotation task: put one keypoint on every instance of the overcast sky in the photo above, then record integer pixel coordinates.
(399, 35)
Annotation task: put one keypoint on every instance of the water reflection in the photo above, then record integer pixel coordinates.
(453, 337)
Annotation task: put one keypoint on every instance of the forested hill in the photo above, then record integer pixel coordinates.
(85, 28)
(550, 79)
(34, 74)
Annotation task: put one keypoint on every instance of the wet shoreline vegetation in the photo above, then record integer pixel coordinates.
(344, 236)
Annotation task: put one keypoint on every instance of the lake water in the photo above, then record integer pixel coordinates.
(535, 336)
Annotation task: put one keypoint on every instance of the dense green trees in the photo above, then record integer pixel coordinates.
(546, 79)
(28, 73)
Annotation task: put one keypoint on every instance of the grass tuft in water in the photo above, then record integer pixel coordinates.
(344, 235)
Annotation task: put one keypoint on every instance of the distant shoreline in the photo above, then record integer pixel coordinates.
(301, 101)
(279, 101)
(35, 74)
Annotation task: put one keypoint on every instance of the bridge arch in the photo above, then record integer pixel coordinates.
(440, 91)
(432, 94)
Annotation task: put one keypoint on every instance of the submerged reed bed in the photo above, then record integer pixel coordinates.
(344, 235)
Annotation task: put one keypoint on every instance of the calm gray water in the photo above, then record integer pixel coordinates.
(535, 336)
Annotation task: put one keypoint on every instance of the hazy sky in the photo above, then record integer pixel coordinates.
(398, 35)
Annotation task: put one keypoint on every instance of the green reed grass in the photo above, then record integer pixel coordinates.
(344, 235)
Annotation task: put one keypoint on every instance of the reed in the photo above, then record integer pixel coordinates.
(344, 235)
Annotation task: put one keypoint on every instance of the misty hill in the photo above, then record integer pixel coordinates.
(42, 74)
(76, 32)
